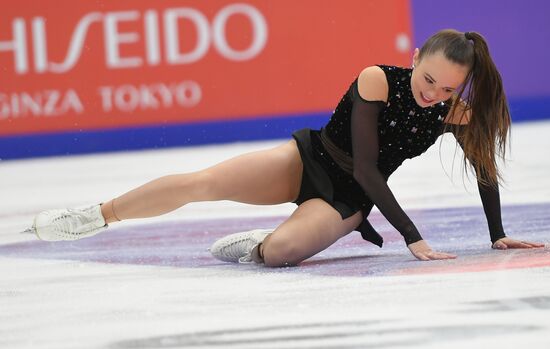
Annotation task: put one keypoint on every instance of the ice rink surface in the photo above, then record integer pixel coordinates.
(152, 283)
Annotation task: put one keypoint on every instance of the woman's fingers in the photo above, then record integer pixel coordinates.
(499, 245)
(533, 244)
(422, 256)
(440, 255)
(506, 243)
(521, 244)
(421, 250)
(433, 255)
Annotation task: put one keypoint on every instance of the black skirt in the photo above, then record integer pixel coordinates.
(322, 178)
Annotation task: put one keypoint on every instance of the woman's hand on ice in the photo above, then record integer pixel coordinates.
(506, 243)
(423, 251)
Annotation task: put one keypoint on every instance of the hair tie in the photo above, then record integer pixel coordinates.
(468, 36)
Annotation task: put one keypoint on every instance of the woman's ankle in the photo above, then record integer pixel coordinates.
(257, 255)
(108, 212)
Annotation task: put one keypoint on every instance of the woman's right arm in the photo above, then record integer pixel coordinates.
(372, 87)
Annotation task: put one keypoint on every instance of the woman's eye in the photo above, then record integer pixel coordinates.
(428, 80)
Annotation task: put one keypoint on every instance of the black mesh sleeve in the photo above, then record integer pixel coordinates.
(364, 136)
(490, 198)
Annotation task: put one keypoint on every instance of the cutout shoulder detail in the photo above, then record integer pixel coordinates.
(372, 85)
(357, 95)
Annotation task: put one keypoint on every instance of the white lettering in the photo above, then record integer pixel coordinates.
(4, 106)
(18, 45)
(15, 104)
(113, 38)
(259, 29)
(41, 103)
(172, 38)
(106, 93)
(165, 95)
(52, 97)
(128, 98)
(175, 21)
(39, 45)
(76, 44)
(188, 93)
(71, 102)
(147, 99)
(152, 45)
(30, 103)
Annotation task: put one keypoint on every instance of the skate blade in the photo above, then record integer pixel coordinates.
(29, 231)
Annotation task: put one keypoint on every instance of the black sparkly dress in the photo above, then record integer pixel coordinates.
(384, 134)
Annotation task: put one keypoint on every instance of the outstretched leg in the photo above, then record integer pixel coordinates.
(263, 177)
(314, 226)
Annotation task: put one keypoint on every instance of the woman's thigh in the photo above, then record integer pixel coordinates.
(263, 177)
(314, 226)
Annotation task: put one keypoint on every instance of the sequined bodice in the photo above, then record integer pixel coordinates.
(405, 129)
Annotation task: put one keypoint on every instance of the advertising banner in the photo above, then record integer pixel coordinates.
(76, 66)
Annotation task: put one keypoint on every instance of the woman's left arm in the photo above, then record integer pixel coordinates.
(490, 198)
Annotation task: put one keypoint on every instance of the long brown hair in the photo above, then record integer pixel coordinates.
(484, 139)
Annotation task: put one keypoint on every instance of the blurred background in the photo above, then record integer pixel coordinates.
(96, 76)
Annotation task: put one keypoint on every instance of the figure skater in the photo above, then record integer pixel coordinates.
(336, 174)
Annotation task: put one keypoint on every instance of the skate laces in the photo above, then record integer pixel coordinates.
(69, 223)
(239, 247)
(236, 247)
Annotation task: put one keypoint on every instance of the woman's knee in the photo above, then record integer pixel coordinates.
(279, 252)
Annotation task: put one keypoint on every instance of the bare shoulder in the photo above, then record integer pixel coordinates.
(461, 114)
(372, 84)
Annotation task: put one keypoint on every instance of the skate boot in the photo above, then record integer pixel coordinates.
(69, 224)
(238, 247)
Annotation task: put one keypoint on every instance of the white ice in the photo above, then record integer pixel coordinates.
(73, 304)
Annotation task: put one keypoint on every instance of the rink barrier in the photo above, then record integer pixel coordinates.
(152, 137)
(199, 133)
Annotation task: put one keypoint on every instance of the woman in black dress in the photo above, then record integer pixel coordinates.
(338, 173)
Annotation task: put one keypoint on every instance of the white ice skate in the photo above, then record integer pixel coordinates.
(68, 224)
(237, 248)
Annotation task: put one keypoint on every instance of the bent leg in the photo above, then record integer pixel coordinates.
(314, 226)
(270, 176)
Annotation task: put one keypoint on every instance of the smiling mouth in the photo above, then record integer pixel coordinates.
(424, 99)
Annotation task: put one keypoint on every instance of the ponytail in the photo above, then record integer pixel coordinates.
(485, 137)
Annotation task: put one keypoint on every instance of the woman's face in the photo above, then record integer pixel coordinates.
(435, 78)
